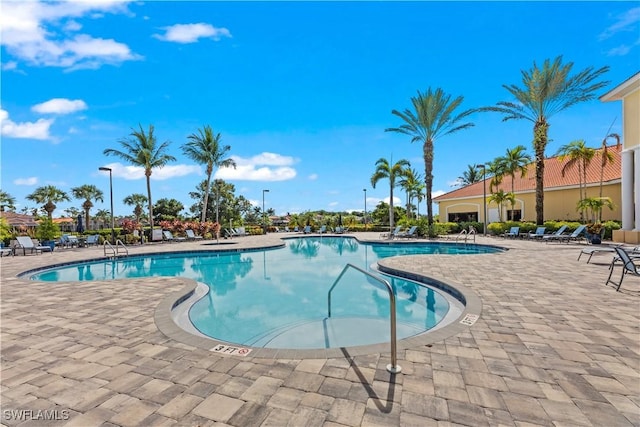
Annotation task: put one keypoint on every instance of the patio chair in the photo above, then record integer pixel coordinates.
(410, 233)
(191, 235)
(628, 266)
(392, 234)
(556, 235)
(323, 229)
(25, 242)
(168, 236)
(576, 235)
(92, 240)
(307, 229)
(240, 231)
(513, 232)
(539, 233)
(230, 233)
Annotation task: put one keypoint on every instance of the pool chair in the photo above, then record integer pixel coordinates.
(168, 236)
(392, 234)
(556, 235)
(307, 229)
(513, 232)
(191, 235)
(539, 234)
(628, 266)
(576, 235)
(323, 229)
(92, 240)
(25, 242)
(409, 234)
(240, 231)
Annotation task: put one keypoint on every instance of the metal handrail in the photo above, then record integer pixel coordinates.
(393, 367)
(115, 252)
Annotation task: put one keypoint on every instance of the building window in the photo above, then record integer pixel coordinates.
(463, 217)
(514, 215)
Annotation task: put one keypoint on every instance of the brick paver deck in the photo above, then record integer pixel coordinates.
(553, 346)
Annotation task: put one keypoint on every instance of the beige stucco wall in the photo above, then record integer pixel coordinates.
(631, 125)
(558, 204)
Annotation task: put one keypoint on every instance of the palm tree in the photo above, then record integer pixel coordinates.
(384, 169)
(472, 175)
(607, 158)
(88, 193)
(7, 201)
(410, 182)
(500, 198)
(103, 215)
(136, 200)
(495, 169)
(143, 150)
(514, 161)
(204, 148)
(48, 195)
(578, 154)
(433, 116)
(546, 91)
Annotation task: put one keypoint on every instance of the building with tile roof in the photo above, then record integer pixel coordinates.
(629, 93)
(561, 193)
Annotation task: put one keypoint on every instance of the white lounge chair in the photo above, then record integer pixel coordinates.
(191, 235)
(168, 236)
(409, 234)
(25, 242)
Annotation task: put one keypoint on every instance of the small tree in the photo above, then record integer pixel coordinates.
(500, 198)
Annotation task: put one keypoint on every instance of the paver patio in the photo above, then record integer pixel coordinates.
(553, 346)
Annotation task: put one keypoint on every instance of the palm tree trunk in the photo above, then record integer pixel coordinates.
(148, 174)
(390, 207)
(428, 178)
(540, 139)
(205, 202)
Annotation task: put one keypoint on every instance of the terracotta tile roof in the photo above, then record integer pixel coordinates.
(18, 220)
(552, 177)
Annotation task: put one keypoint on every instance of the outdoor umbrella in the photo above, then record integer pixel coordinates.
(80, 227)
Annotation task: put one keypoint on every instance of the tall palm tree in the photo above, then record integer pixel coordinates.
(103, 215)
(143, 150)
(515, 160)
(48, 195)
(606, 158)
(7, 201)
(546, 91)
(386, 170)
(495, 169)
(87, 193)
(433, 116)
(136, 200)
(204, 148)
(470, 176)
(578, 154)
(410, 182)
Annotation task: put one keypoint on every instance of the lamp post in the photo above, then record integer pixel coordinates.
(484, 198)
(113, 232)
(365, 208)
(264, 220)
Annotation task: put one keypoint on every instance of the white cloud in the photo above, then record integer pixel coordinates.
(132, 173)
(313, 177)
(455, 183)
(60, 106)
(10, 65)
(262, 167)
(32, 180)
(333, 204)
(190, 33)
(27, 130)
(625, 22)
(44, 34)
(437, 193)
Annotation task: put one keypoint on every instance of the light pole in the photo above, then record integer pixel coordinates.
(217, 212)
(484, 198)
(113, 232)
(264, 219)
(365, 208)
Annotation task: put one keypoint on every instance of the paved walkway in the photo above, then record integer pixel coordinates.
(553, 346)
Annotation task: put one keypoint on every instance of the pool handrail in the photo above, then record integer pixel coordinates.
(115, 252)
(393, 367)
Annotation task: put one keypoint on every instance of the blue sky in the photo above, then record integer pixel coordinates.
(301, 91)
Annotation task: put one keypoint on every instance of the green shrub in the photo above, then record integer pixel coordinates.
(47, 230)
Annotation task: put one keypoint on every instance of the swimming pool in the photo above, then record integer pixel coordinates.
(277, 298)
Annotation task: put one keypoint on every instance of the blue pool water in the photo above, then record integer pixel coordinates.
(277, 298)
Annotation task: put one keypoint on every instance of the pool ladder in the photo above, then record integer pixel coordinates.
(393, 367)
(115, 252)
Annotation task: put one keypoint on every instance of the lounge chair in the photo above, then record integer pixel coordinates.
(25, 242)
(513, 232)
(67, 241)
(191, 235)
(323, 229)
(409, 234)
(240, 231)
(576, 235)
(287, 230)
(392, 234)
(556, 235)
(6, 252)
(168, 236)
(307, 229)
(628, 266)
(92, 240)
(538, 234)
